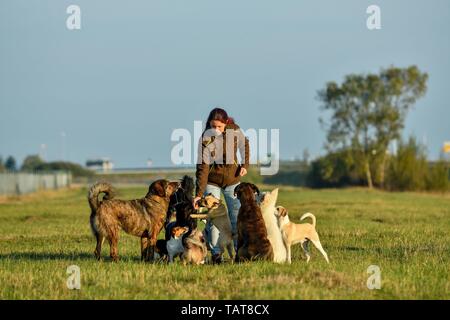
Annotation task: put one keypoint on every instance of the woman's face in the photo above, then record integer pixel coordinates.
(219, 126)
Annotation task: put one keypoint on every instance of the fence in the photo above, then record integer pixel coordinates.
(21, 183)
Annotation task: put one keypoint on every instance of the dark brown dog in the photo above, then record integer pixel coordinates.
(143, 218)
(252, 233)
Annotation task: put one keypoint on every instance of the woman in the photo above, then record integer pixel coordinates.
(218, 173)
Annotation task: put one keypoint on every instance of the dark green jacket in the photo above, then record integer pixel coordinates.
(213, 170)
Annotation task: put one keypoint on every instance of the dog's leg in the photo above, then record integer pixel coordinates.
(98, 248)
(319, 247)
(151, 243)
(144, 248)
(288, 251)
(230, 249)
(114, 252)
(306, 250)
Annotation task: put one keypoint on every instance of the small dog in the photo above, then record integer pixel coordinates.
(252, 233)
(175, 245)
(267, 205)
(218, 215)
(181, 206)
(299, 233)
(195, 250)
(143, 217)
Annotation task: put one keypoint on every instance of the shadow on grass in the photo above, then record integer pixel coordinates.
(51, 256)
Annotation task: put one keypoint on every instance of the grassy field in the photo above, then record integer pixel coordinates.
(405, 234)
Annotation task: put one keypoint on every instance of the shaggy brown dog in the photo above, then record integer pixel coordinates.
(143, 218)
(252, 233)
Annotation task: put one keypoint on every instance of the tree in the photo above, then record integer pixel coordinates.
(10, 164)
(2, 167)
(31, 163)
(368, 112)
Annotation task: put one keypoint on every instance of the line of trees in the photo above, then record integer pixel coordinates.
(34, 163)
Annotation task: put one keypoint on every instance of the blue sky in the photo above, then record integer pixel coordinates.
(139, 69)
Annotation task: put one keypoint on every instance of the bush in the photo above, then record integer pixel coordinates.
(75, 169)
(31, 163)
(409, 170)
(438, 177)
(334, 170)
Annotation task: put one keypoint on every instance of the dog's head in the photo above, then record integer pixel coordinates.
(197, 235)
(163, 188)
(209, 202)
(246, 191)
(269, 198)
(281, 212)
(177, 232)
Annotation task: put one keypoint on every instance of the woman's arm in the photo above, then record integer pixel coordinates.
(202, 167)
(244, 149)
(201, 175)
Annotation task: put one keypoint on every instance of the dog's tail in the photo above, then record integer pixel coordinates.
(94, 202)
(309, 215)
(96, 190)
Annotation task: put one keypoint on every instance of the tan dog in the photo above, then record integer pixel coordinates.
(218, 215)
(299, 233)
(195, 250)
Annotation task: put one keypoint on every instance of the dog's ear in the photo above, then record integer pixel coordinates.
(281, 211)
(174, 231)
(255, 188)
(158, 188)
(172, 187)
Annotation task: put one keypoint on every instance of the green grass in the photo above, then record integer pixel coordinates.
(405, 234)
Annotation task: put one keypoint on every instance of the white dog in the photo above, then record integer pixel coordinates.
(268, 210)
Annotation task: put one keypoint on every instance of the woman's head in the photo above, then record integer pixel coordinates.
(218, 119)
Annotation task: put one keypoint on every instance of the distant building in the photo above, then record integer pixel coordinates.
(103, 164)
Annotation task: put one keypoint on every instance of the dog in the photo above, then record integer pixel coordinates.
(217, 214)
(175, 246)
(161, 244)
(195, 250)
(299, 233)
(252, 233)
(181, 206)
(143, 217)
(267, 205)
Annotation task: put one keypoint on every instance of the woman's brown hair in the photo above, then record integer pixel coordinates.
(220, 115)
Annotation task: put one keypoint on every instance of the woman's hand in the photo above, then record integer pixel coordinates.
(243, 172)
(194, 202)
